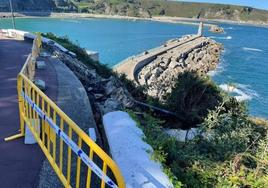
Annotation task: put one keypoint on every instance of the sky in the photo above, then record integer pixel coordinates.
(261, 4)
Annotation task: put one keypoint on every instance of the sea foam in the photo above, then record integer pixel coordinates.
(220, 67)
(252, 49)
(241, 92)
(218, 70)
(228, 28)
(223, 38)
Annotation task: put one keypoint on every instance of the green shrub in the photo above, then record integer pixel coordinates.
(229, 151)
(81, 53)
(192, 98)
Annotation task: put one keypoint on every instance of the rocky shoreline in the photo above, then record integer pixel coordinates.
(160, 75)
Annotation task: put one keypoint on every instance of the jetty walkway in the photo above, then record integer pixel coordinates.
(131, 66)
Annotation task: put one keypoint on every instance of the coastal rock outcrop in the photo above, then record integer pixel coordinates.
(160, 75)
(216, 29)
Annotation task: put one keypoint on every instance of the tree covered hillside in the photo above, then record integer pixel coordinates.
(142, 8)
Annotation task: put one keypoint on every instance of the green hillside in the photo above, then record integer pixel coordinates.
(142, 8)
(145, 8)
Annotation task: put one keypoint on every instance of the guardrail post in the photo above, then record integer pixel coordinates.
(21, 107)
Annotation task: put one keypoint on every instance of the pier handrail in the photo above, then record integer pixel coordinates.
(63, 142)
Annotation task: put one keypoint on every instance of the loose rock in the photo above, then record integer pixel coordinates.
(216, 29)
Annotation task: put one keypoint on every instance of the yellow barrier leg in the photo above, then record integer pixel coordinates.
(14, 137)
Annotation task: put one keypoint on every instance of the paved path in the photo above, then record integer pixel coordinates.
(19, 163)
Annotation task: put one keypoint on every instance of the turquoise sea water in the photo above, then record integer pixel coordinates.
(244, 62)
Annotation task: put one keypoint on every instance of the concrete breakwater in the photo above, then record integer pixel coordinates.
(159, 69)
(133, 65)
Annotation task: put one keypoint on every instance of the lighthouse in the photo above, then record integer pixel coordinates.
(200, 29)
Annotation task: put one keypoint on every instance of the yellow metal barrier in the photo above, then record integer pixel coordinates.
(71, 152)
